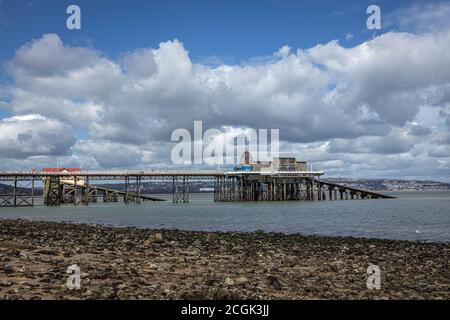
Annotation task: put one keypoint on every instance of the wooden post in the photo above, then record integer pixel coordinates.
(15, 192)
(86, 191)
(186, 190)
(138, 191)
(32, 190)
(127, 182)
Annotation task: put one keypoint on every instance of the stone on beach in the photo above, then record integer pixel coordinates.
(132, 263)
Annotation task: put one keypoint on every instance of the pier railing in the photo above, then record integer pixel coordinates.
(5, 173)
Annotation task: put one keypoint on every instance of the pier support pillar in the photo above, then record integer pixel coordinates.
(52, 191)
(180, 189)
(110, 196)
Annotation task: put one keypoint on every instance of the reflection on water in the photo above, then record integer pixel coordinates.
(416, 215)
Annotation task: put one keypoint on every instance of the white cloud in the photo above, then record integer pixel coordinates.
(387, 98)
(109, 154)
(33, 135)
(47, 56)
(423, 16)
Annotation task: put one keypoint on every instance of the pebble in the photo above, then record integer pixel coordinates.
(129, 263)
(229, 281)
(121, 295)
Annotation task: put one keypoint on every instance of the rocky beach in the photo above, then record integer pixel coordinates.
(131, 263)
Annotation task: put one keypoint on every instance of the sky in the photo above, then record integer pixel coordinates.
(351, 101)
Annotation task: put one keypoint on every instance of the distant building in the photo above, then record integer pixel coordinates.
(284, 164)
(69, 179)
(61, 170)
(206, 189)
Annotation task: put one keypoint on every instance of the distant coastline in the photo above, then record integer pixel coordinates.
(162, 187)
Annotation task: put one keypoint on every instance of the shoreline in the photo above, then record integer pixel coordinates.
(221, 232)
(139, 263)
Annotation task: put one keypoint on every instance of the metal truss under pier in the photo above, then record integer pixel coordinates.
(85, 194)
(284, 187)
(75, 188)
(17, 191)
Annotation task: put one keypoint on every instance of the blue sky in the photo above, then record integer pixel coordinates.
(351, 101)
(232, 30)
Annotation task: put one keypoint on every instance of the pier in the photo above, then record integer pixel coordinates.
(232, 186)
(285, 186)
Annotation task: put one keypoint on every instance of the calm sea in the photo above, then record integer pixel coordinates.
(415, 215)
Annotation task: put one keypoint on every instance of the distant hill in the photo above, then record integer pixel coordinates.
(391, 184)
(8, 189)
(206, 186)
(163, 186)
